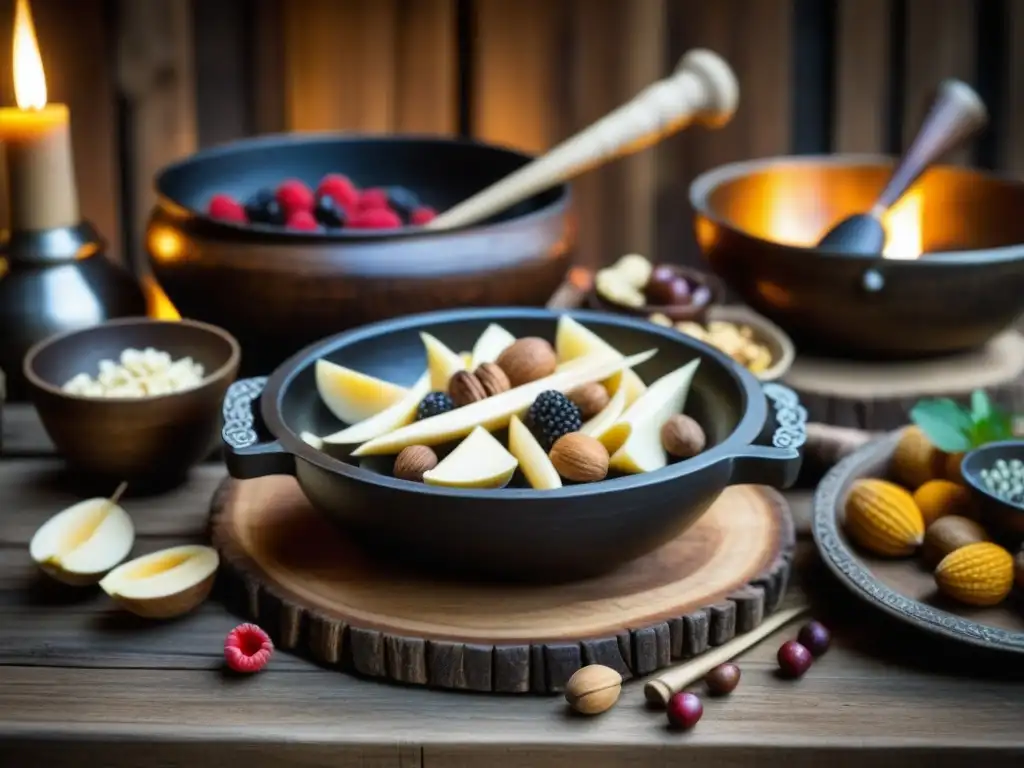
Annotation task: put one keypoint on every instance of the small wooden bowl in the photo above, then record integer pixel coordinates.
(141, 440)
(765, 332)
(1002, 516)
(678, 313)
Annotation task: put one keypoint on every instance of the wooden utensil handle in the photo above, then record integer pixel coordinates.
(703, 88)
(956, 113)
(660, 689)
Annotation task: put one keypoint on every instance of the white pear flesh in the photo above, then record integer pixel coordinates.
(80, 544)
(573, 340)
(479, 461)
(534, 462)
(492, 342)
(495, 412)
(638, 432)
(388, 420)
(164, 584)
(442, 363)
(598, 426)
(353, 396)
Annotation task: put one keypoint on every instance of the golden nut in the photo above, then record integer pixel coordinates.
(493, 379)
(413, 461)
(580, 458)
(682, 437)
(593, 689)
(527, 360)
(465, 388)
(590, 399)
(948, 534)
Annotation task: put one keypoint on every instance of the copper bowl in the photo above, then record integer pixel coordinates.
(278, 290)
(757, 222)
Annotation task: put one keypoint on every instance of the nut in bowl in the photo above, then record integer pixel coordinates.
(635, 286)
(133, 399)
(515, 484)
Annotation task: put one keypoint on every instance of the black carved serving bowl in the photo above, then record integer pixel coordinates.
(757, 223)
(277, 290)
(754, 435)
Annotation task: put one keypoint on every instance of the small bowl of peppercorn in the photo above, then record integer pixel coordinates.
(635, 286)
(995, 472)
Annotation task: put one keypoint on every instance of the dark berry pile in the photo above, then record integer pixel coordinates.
(336, 203)
(434, 404)
(553, 415)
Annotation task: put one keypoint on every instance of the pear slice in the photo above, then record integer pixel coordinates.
(638, 432)
(573, 340)
(352, 396)
(467, 359)
(540, 473)
(492, 342)
(601, 422)
(164, 584)
(79, 545)
(442, 363)
(388, 420)
(479, 461)
(495, 412)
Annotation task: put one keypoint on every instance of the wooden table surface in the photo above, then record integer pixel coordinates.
(84, 685)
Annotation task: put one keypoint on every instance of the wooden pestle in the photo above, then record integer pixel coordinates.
(703, 88)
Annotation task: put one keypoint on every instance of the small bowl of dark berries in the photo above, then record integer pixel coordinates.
(995, 472)
(635, 286)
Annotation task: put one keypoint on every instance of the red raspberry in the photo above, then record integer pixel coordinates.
(375, 218)
(302, 220)
(226, 208)
(340, 189)
(293, 195)
(373, 198)
(422, 215)
(247, 648)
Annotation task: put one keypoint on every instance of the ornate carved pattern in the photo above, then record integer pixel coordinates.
(239, 429)
(790, 416)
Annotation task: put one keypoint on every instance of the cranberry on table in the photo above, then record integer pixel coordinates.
(723, 679)
(794, 659)
(684, 710)
(815, 637)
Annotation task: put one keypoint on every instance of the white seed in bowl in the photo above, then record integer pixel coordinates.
(138, 373)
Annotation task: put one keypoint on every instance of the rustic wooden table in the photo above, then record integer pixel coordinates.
(82, 684)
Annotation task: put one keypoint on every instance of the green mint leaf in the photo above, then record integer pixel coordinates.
(945, 423)
(998, 426)
(981, 406)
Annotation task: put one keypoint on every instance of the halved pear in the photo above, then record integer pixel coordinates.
(537, 468)
(479, 461)
(638, 432)
(442, 363)
(603, 421)
(79, 545)
(352, 396)
(164, 584)
(495, 412)
(398, 415)
(492, 342)
(573, 340)
(467, 359)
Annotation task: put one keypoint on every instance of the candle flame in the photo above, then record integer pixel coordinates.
(29, 77)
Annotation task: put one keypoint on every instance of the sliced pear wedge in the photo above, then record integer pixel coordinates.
(398, 415)
(352, 396)
(164, 584)
(442, 363)
(79, 545)
(479, 461)
(495, 412)
(638, 432)
(492, 342)
(603, 421)
(573, 340)
(537, 468)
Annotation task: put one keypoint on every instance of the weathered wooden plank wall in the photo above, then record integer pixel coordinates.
(149, 82)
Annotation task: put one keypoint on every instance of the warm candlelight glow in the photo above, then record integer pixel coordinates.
(903, 227)
(29, 77)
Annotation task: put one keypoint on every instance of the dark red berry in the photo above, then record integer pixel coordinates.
(226, 208)
(247, 648)
(794, 659)
(375, 218)
(373, 198)
(340, 189)
(815, 637)
(422, 215)
(294, 196)
(723, 679)
(302, 220)
(684, 710)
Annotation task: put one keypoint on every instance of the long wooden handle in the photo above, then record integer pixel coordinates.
(956, 114)
(660, 689)
(703, 88)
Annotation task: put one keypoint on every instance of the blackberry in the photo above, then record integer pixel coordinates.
(263, 208)
(434, 404)
(403, 202)
(328, 213)
(553, 415)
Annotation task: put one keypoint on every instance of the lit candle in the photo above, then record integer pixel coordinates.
(37, 141)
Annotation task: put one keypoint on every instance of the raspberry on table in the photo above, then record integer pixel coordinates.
(302, 220)
(247, 648)
(225, 208)
(422, 215)
(294, 196)
(340, 188)
(375, 218)
(553, 415)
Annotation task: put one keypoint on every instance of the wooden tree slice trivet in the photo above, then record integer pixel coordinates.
(878, 396)
(289, 568)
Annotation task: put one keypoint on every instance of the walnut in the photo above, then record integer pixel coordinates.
(465, 388)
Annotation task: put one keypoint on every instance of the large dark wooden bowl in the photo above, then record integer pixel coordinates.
(757, 223)
(754, 434)
(279, 290)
